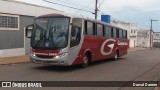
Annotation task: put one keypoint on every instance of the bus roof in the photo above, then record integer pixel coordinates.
(77, 16)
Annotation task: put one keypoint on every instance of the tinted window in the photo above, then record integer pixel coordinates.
(120, 34)
(108, 31)
(77, 22)
(50, 33)
(117, 31)
(114, 33)
(124, 34)
(89, 28)
(99, 30)
(75, 36)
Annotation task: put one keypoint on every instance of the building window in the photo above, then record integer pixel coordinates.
(131, 30)
(9, 22)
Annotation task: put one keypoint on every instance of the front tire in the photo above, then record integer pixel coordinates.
(85, 61)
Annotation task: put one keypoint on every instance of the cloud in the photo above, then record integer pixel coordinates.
(138, 11)
(118, 5)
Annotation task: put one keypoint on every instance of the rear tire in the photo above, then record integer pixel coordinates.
(85, 61)
(115, 56)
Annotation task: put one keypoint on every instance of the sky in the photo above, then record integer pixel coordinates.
(136, 11)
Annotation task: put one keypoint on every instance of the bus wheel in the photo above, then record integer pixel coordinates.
(115, 56)
(85, 61)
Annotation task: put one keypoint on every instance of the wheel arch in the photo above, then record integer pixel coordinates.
(117, 51)
(89, 53)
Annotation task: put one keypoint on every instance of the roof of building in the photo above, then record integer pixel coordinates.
(123, 22)
(23, 8)
(25, 3)
(143, 31)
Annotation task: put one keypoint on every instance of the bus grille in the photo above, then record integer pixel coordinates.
(43, 61)
(44, 56)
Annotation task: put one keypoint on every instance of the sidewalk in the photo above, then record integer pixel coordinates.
(138, 49)
(14, 60)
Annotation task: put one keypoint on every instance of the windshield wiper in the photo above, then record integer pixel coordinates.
(40, 40)
(51, 31)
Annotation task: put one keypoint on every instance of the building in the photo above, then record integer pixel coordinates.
(156, 39)
(143, 38)
(14, 17)
(131, 29)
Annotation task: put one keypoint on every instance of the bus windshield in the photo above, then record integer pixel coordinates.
(50, 33)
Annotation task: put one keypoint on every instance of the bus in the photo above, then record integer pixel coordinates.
(64, 40)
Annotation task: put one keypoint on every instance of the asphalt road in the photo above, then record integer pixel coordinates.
(136, 66)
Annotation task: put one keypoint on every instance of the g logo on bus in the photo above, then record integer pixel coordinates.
(110, 45)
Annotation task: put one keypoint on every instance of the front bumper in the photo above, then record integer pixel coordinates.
(51, 61)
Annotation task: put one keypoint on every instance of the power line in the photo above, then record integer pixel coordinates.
(76, 3)
(85, 6)
(83, 9)
(101, 4)
(67, 6)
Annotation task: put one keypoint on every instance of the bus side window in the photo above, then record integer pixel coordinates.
(120, 33)
(99, 30)
(114, 33)
(89, 28)
(75, 36)
(124, 34)
(117, 32)
(111, 32)
(108, 32)
(75, 32)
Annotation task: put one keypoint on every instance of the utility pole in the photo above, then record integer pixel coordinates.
(151, 33)
(96, 9)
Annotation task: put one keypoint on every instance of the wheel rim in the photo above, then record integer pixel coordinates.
(85, 60)
(116, 56)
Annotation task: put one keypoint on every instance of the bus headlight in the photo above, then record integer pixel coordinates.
(61, 55)
(33, 54)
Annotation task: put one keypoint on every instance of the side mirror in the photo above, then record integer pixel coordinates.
(28, 30)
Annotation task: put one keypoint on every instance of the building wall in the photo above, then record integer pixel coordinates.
(144, 38)
(156, 39)
(143, 41)
(25, 21)
(133, 41)
(12, 41)
(15, 38)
